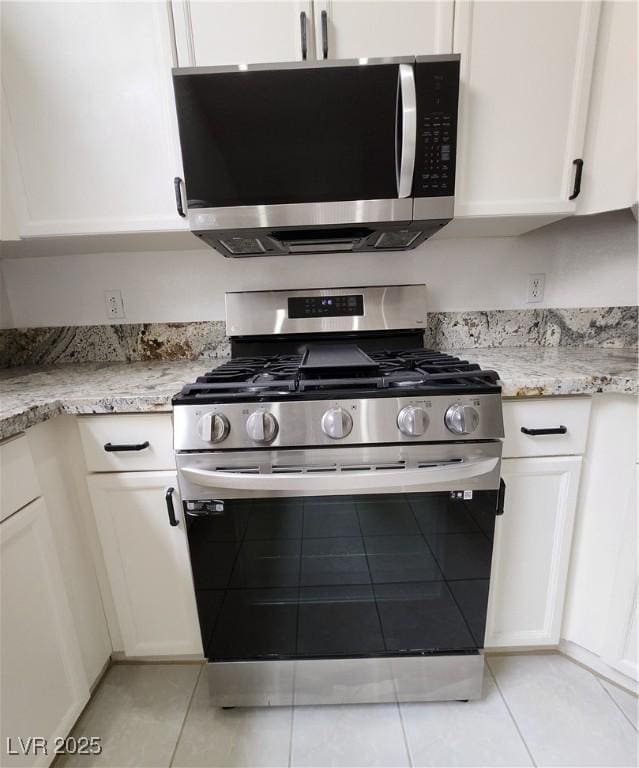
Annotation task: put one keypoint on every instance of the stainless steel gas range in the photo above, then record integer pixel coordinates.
(340, 486)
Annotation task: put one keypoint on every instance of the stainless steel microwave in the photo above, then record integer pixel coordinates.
(317, 157)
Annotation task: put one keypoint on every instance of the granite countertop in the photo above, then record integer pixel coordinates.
(31, 395)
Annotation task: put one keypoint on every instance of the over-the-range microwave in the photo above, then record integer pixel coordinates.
(318, 157)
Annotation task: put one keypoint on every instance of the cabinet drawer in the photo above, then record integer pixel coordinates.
(18, 480)
(127, 430)
(573, 413)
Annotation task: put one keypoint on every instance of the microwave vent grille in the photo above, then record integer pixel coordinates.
(244, 245)
(400, 238)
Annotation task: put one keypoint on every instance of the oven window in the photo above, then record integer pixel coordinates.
(337, 576)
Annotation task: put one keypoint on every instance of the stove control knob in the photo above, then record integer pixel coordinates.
(213, 427)
(337, 423)
(461, 419)
(262, 426)
(412, 421)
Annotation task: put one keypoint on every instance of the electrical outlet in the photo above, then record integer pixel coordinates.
(536, 285)
(114, 305)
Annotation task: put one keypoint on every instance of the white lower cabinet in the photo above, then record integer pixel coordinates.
(44, 687)
(147, 563)
(621, 638)
(600, 622)
(532, 551)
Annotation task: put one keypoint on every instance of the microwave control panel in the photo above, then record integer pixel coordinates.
(437, 87)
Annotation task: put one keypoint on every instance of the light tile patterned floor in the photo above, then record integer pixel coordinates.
(540, 709)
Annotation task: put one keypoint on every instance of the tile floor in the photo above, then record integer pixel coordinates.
(539, 710)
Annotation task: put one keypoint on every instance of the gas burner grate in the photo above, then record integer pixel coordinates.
(348, 383)
(222, 375)
(425, 371)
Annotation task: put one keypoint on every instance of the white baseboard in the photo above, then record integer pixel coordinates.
(595, 664)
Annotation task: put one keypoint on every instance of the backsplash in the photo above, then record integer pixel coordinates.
(113, 343)
(613, 327)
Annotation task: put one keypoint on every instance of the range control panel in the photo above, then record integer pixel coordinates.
(326, 306)
(437, 86)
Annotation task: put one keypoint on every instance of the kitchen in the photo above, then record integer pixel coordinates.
(197, 440)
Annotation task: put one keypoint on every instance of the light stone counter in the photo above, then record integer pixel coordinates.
(31, 395)
(541, 371)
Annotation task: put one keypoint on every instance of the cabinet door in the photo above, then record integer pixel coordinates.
(147, 562)
(531, 551)
(8, 222)
(90, 105)
(381, 28)
(43, 684)
(621, 636)
(526, 70)
(610, 155)
(211, 33)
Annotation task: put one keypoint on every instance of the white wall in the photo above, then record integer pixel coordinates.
(588, 261)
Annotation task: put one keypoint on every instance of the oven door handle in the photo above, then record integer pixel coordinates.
(342, 481)
(407, 103)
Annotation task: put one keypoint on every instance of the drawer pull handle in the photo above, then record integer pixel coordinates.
(110, 448)
(545, 431)
(170, 508)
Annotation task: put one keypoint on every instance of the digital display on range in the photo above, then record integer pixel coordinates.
(325, 306)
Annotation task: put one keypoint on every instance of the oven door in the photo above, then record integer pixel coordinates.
(341, 553)
(305, 144)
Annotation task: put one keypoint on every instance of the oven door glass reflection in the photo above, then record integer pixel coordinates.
(343, 576)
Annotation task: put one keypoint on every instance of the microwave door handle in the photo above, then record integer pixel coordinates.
(292, 482)
(405, 148)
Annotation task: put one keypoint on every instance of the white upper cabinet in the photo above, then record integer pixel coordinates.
(89, 134)
(8, 223)
(88, 97)
(210, 33)
(382, 28)
(610, 154)
(526, 70)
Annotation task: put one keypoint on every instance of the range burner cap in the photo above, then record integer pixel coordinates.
(406, 382)
(403, 378)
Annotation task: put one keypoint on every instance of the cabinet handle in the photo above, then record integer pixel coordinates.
(110, 448)
(501, 497)
(177, 186)
(324, 35)
(545, 431)
(169, 507)
(303, 34)
(579, 164)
